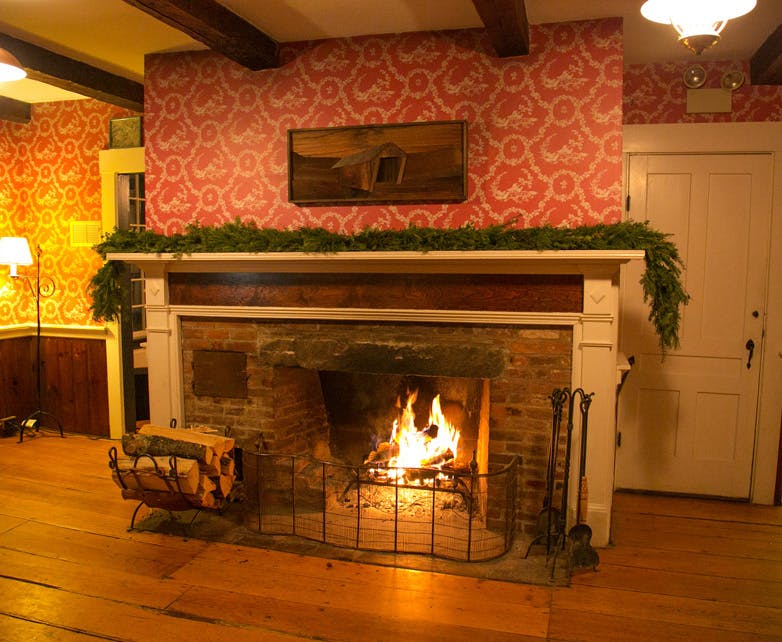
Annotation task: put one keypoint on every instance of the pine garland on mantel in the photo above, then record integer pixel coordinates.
(661, 281)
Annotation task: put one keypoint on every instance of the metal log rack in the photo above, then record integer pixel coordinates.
(173, 500)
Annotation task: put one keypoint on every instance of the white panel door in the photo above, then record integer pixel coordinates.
(686, 422)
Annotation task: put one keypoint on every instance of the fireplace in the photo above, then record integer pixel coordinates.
(300, 353)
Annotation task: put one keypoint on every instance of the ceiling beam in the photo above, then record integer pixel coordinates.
(765, 66)
(14, 110)
(507, 25)
(72, 75)
(218, 28)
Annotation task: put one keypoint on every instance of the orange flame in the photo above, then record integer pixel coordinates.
(429, 447)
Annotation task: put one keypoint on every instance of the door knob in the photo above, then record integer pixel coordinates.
(750, 346)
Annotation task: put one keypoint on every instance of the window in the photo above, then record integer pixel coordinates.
(131, 203)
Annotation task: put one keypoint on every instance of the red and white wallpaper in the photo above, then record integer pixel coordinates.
(544, 138)
(655, 93)
(544, 130)
(49, 176)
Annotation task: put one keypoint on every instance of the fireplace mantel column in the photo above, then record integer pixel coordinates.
(595, 370)
(162, 353)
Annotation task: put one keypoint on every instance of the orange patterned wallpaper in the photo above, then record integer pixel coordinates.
(544, 130)
(49, 177)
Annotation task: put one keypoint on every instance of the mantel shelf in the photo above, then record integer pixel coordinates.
(473, 262)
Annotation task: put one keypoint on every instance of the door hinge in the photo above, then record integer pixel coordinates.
(619, 440)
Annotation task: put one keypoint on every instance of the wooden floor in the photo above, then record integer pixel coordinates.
(69, 570)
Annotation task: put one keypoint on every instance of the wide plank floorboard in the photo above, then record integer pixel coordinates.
(678, 569)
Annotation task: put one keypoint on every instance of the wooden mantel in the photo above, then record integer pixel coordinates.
(595, 328)
(468, 262)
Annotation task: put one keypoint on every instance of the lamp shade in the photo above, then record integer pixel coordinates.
(10, 67)
(709, 11)
(698, 22)
(15, 250)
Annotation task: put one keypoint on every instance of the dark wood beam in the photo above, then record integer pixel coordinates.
(72, 75)
(506, 23)
(218, 28)
(14, 110)
(766, 63)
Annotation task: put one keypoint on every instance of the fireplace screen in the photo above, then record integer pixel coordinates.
(465, 516)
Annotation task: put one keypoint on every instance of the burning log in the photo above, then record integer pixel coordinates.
(431, 431)
(439, 459)
(384, 452)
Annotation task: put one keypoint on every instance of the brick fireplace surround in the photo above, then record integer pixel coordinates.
(523, 321)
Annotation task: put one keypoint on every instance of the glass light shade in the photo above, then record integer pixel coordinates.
(10, 67)
(732, 80)
(698, 22)
(694, 76)
(15, 250)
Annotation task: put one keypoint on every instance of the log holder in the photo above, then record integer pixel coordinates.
(174, 500)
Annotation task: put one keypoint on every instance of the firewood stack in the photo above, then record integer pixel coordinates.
(175, 468)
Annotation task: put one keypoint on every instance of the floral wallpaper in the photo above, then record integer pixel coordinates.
(544, 138)
(49, 177)
(655, 93)
(544, 130)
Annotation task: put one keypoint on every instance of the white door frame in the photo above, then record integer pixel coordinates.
(747, 138)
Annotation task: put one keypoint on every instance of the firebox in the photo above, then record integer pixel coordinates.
(401, 465)
(339, 393)
(406, 420)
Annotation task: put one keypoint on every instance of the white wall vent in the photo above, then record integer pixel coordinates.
(85, 233)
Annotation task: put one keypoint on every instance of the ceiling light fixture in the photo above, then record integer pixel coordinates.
(698, 22)
(10, 67)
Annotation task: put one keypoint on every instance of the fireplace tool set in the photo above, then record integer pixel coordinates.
(552, 520)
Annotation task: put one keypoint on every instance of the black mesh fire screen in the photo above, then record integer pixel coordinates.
(459, 516)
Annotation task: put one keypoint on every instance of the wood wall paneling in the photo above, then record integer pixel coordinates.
(17, 378)
(73, 387)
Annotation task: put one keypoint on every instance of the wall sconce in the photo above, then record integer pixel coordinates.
(732, 80)
(14, 251)
(694, 76)
(10, 67)
(698, 22)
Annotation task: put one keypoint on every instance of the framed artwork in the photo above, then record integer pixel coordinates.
(126, 132)
(402, 163)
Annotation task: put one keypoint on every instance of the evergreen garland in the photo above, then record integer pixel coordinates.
(661, 281)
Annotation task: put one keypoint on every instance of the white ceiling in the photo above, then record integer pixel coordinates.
(112, 35)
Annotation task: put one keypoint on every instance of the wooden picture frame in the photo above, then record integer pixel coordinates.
(126, 132)
(399, 163)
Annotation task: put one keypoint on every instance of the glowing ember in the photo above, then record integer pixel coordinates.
(432, 446)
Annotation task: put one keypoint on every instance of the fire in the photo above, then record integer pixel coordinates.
(411, 447)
